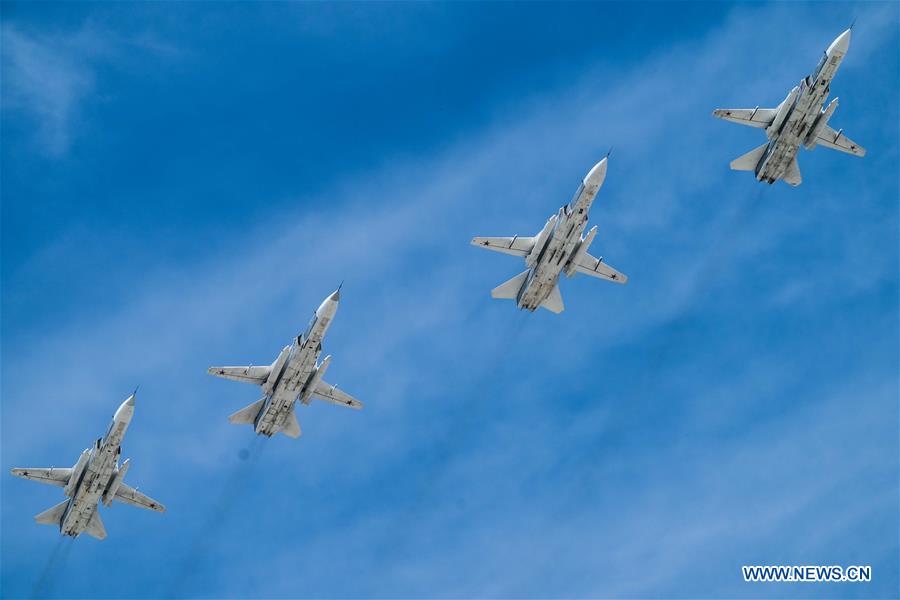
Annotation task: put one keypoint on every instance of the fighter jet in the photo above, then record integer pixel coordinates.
(293, 376)
(558, 248)
(96, 477)
(799, 119)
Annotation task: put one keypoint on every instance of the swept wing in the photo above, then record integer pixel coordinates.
(257, 375)
(52, 476)
(331, 393)
(595, 267)
(516, 245)
(753, 117)
(836, 140)
(129, 495)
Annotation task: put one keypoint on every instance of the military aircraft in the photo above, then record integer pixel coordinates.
(96, 477)
(293, 376)
(799, 119)
(558, 248)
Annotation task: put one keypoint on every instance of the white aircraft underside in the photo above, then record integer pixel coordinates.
(293, 376)
(799, 120)
(558, 248)
(96, 477)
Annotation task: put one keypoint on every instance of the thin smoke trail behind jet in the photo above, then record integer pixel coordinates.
(55, 563)
(205, 537)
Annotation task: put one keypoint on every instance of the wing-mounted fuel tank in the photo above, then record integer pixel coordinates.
(580, 250)
(77, 471)
(275, 371)
(541, 241)
(821, 122)
(784, 109)
(315, 379)
(115, 482)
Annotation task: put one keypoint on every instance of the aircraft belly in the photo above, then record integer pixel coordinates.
(272, 420)
(781, 153)
(296, 375)
(784, 148)
(775, 164)
(546, 273)
(84, 501)
(266, 424)
(539, 285)
(78, 516)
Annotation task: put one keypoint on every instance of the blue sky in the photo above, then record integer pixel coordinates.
(183, 184)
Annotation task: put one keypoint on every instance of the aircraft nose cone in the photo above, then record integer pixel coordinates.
(125, 410)
(596, 174)
(841, 44)
(329, 305)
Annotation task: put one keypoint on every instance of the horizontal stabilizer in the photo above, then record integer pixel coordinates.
(257, 375)
(509, 290)
(95, 527)
(291, 425)
(516, 245)
(554, 302)
(748, 161)
(248, 414)
(792, 175)
(753, 117)
(53, 516)
(52, 476)
(331, 393)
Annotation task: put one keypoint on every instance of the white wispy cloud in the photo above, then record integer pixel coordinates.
(47, 78)
(50, 78)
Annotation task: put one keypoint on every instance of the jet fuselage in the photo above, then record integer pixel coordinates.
(295, 374)
(559, 242)
(95, 473)
(799, 114)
